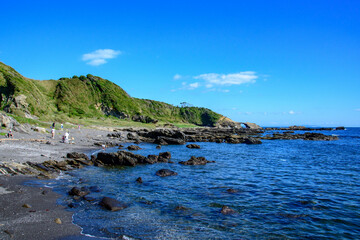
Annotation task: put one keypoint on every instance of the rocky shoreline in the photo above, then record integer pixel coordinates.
(32, 154)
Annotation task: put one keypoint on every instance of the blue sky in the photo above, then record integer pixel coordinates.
(275, 63)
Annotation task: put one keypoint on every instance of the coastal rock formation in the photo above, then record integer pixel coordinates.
(165, 173)
(112, 204)
(80, 192)
(306, 136)
(193, 146)
(133, 147)
(196, 161)
(302, 128)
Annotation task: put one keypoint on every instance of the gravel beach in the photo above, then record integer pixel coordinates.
(31, 212)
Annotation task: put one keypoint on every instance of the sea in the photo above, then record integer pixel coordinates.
(281, 189)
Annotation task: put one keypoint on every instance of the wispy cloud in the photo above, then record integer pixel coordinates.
(358, 109)
(239, 78)
(291, 112)
(177, 77)
(100, 56)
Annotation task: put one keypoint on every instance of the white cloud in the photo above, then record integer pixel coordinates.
(98, 57)
(194, 85)
(228, 79)
(177, 77)
(291, 112)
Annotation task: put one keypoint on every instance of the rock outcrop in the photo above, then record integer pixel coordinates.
(196, 161)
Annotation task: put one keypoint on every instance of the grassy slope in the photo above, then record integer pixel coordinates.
(89, 97)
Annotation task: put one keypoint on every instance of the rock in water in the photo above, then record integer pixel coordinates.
(166, 155)
(165, 173)
(193, 146)
(133, 147)
(139, 180)
(196, 161)
(26, 205)
(112, 204)
(75, 191)
(251, 140)
(226, 210)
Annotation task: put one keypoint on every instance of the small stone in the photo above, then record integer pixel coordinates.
(139, 180)
(226, 210)
(158, 147)
(26, 205)
(58, 221)
(231, 190)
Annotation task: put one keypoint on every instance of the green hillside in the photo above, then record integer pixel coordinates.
(88, 97)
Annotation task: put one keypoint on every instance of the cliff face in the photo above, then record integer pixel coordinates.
(88, 97)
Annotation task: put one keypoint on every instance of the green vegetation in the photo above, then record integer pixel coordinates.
(90, 100)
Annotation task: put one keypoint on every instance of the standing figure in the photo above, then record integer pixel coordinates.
(53, 133)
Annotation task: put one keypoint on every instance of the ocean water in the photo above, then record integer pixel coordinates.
(285, 189)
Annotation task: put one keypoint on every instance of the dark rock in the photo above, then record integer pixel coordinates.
(165, 173)
(26, 205)
(133, 147)
(170, 141)
(75, 155)
(112, 204)
(75, 191)
(121, 146)
(231, 190)
(166, 155)
(158, 147)
(181, 208)
(196, 161)
(152, 158)
(139, 180)
(226, 210)
(340, 128)
(121, 158)
(193, 146)
(251, 140)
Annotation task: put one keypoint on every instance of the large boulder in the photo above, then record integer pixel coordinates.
(112, 204)
(121, 158)
(133, 147)
(251, 140)
(75, 191)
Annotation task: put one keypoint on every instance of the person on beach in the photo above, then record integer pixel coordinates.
(66, 137)
(53, 125)
(10, 134)
(79, 127)
(53, 133)
(62, 127)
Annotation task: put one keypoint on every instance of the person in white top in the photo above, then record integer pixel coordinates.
(66, 137)
(53, 133)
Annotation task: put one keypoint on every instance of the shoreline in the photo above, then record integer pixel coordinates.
(38, 221)
(36, 148)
